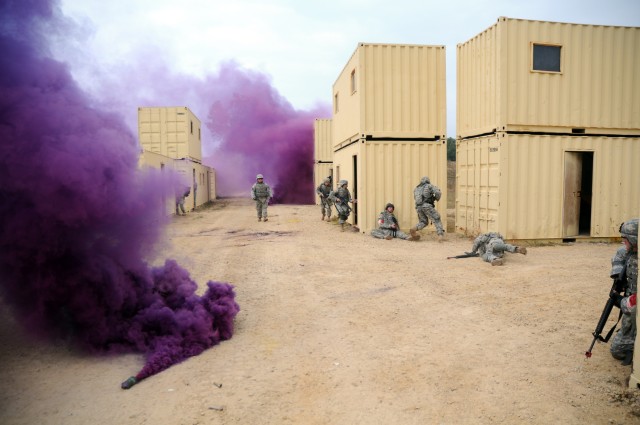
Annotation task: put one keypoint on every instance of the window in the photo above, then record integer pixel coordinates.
(546, 58)
(335, 103)
(199, 133)
(191, 122)
(353, 81)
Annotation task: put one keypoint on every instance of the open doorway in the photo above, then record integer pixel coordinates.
(578, 191)
(355, 189)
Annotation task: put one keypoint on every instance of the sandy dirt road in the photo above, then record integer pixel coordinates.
(342, 328)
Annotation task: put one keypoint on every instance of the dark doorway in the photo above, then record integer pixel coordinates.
(355, 189)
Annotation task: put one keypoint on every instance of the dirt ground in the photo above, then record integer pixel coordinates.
(342, 328)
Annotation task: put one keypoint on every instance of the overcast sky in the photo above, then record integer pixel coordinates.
(301, 45)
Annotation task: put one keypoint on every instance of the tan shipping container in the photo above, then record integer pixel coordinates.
(388, 171)
(390, 91)
(174, 132)
(546, 186)
(201, 179)
(551, 77)
(322, 153)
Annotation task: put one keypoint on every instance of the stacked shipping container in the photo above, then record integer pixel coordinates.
(389, 121)
(548, 118)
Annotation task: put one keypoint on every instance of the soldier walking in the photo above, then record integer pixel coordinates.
(341, 197)
(324, 190)
(261, 193)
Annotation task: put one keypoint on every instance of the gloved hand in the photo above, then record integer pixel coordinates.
(632, 301)
(616, 297)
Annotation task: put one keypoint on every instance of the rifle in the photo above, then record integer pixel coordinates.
(465, 255)
(616, 288)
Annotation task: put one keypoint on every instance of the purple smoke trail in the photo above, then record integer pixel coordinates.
(78, 217)
(260, 132)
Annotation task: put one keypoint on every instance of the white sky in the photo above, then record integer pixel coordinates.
(302, 44)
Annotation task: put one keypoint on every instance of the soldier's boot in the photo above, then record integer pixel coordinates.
(414, 232)
(342, 227)
(521, 250)
(497, 262)
(328, 218)
(266, 219)
(322, 217)
(259, 218)
(414, 238)
(388, 237)
(440, 238)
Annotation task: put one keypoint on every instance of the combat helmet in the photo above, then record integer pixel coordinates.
(389, 205)
(629, 231)
(259, 176)
(342, 183)
(425, 180)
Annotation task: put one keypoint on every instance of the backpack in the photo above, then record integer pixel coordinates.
(417, 195)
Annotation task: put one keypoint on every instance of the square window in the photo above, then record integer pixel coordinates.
(335, 103)
(546, 57)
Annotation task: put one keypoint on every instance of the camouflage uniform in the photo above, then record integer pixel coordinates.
(261, 193)
(491, 247)
(324, 190)
(427, 209)
(388, 226)
(626, 261)
(341, 198)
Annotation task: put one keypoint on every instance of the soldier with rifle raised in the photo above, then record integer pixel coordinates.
(624, 272)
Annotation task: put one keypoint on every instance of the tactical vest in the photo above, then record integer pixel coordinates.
(262, 190)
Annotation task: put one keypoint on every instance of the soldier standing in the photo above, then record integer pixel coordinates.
(388, 227)
(324, 190)
(261, 193)
(491, 247)
(425, 196)
(341, 197)
(625, 267)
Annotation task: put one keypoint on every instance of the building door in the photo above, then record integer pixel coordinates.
(578, 176)
(355, 189)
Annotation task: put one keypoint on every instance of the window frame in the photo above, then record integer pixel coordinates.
(543, 71)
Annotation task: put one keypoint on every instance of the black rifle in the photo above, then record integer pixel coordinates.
(395, 221)
(465, 255)
(616, 288)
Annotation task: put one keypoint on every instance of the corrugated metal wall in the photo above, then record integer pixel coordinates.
(596, 90)
(323, 152)
(477, 84)
(404, 87)
(514, 184)
(389, 171)
(170, 131)
(346, 103)
(391, 90)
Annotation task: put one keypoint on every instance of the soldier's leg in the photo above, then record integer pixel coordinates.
(434, 215)
(265, 205)
(423, 220)
(259, 209)
(622, 343)
(402, 235)
(378, 233)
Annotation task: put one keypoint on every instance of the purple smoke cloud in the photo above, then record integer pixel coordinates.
(79, 217)
(248, 127)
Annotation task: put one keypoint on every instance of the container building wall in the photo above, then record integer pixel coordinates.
(526, 187)
(159, 162)
(323, 153)
(595, 89)
(170, 131)
(390, 91)
(200, 178)
(388, 171)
